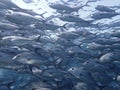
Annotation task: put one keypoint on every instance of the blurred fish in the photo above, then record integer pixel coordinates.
(102, 79)
(81, 86)
(104, 8)
(39, 85)
(95, 66)
(94, 46)
(73, 18)
(54, 74)
(110, 57)
(48, 26)
(15, 40)
(10, 50)
(68, 35)
(104, 15)
(21, 18)
(8, 26)
(28, 1)
(107, 41)
(31, 58)
(64, 8)
(83, 75)
(115, 34)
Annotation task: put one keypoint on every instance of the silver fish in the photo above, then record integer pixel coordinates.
(110, 57)
(104, 8)
(8, 26)
(104, 15)
(15, 40)
(21, 18)
(31, 58)
(64, 8)
(48, 26)
(72, 18)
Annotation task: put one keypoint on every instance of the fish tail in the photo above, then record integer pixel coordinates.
(64, 26)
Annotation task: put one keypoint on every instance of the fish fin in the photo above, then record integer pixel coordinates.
(64, 26)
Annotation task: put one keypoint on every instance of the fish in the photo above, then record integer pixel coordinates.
(109, 57)
(8, 26)
(104, 15)
(21, 18)
(28, 1)
(81, 86)
(115, 34)
(31, 58)
(73, 18)
(103, 80)
(15, 40)
(53, 74)
(83, 75)
(68, 35)
(103, 8)
(64, 8)
(49, 26)
(95, 66)
(94, 46)
(107, 41)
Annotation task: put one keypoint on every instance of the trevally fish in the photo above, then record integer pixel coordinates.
(53, 73)
(110, 57)
(68, 35)
(83, 75)
(31, 58)
(28, 1)
(48, 26)
(64, 8)
(15, 40)
(104, 15)
(73, 18)
(8, 26)
(21, 18)
(81, 86)
(107, 41)
(103, 8)
(115, 34)
(95, 46)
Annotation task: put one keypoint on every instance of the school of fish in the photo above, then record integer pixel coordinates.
(38, 53)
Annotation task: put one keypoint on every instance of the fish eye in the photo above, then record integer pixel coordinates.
(70, 16)
(51, 73)
(87, 62)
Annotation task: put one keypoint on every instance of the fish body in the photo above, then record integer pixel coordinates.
(21, 18)
(64, 8)
(72, 18)
(104, 8)
(103, 15)
(8, 26)
(48, 26)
